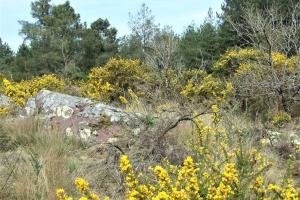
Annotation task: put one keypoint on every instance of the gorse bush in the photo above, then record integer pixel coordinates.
(188, 182)
(258, 80)
(105, 83)
(112, 80)
(83, 188)
(281, 119)
(210, 87)
(221, 167)
(232, 60)
(218, 169)
(19, 92)
(226, 65)
(261, 80)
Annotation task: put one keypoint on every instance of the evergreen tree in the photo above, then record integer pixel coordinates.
(53, 38)
(60, 43)
(199, 47)
(23, 68)
(107, 38)
(98, 44)
(6, 58)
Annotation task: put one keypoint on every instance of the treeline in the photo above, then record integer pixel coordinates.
(58, 42)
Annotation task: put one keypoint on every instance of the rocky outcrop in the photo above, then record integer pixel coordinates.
(76, 116)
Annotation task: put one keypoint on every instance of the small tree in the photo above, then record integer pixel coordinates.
(6, 57)
(271, 30)
(199, 48)
(162, 48)
(143, 28)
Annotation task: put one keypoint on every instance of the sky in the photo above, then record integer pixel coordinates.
(176, 13)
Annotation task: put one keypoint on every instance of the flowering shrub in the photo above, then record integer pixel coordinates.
(278, 59)
(4, 110)
(224, 65)
(261, 79)
(83, 188)
(236, 60)
(170, 79)
(210, 87)
(281, 119)
(123, 100)
(114, 79)
(293, 62)
(19, 92)
(216, 171)
(189, 182)
(175, 80)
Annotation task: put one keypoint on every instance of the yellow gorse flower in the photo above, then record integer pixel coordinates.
(162, 196)
(281, 118)
(81, 185)
(123, 100)
(61, 195)
(126, 168)
(19, 92)
(163, 176)
(4, 110)
(113, 79)
(83, 188)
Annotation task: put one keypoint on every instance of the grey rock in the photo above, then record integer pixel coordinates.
(77, 116)
(99, 109)
(49, 101)
(4, 100)
(30, 107)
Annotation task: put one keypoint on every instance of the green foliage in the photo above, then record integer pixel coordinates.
(150, 121)
(98, 44)
(60, 43)
(52, 38)
(281, 118)
(199, 48)
(6, 57)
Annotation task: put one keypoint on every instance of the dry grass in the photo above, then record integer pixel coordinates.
(38, 160)
(39, 164)
(252, 132)
(42, 160)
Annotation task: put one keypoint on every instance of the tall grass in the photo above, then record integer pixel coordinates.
(38, 162)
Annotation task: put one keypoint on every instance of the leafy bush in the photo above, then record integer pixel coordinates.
(190, 182)
(281, 119)
(114, 79)
(262, 80)
(83, 188)
(210, 87)
(221, 167)
(214, 172)
(19, 92)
